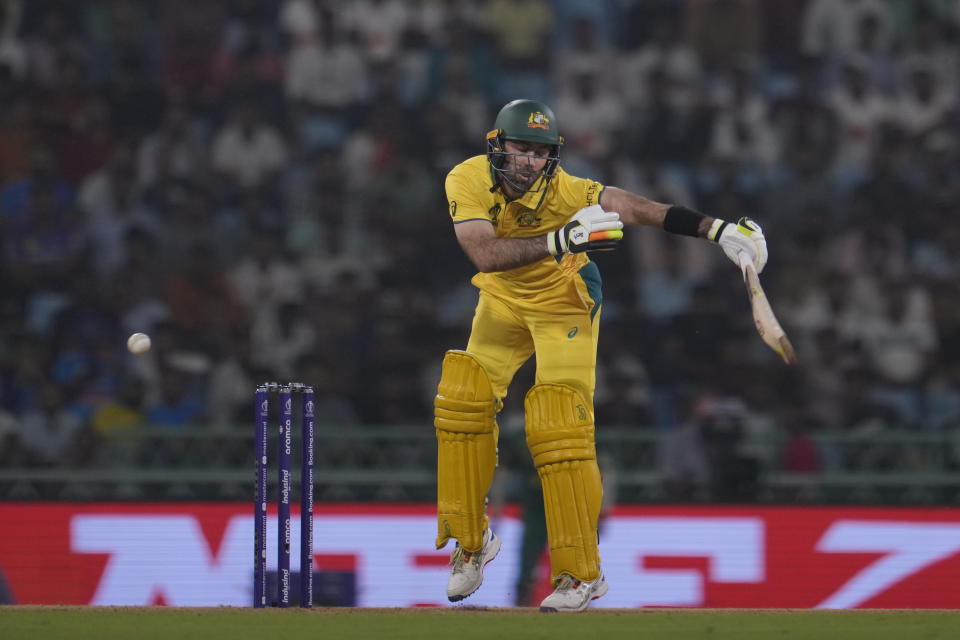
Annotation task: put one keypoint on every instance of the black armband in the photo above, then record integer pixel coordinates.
(682, 221)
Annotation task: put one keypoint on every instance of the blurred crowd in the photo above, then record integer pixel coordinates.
(259, 186)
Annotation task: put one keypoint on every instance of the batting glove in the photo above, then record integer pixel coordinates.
(590, 229)
(746, 237)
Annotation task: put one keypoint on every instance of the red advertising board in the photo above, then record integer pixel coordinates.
(201, 554)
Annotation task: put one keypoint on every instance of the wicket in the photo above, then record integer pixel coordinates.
(285, 393)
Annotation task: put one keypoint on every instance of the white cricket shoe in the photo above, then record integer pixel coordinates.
(573, 595)
(467, 573)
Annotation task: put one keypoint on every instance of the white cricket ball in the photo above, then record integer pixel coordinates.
(138, 343)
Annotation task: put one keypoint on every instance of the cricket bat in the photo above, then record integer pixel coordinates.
(767, 325)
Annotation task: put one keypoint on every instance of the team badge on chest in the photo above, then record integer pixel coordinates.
(528, 219)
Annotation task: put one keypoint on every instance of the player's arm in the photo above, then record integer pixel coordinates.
(637, 211)
(590, 229)
(746, 236)
(476, 233)
(488, 253)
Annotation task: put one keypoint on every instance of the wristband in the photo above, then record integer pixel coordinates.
(682, 221)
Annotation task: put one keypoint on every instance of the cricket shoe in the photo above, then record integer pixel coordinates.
(573, 595)
(467, 573)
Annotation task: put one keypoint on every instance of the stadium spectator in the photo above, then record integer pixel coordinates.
(113, 204)
(280, 336)
(90, 141)
(596, 122)
(860, 110)
(326, 79)
(722, 31)
(830, 29)
(667, 289)
(238, 224)
(586, 49)
(174, 151)
(11, 453)
(927, 29)
(189, 38)
(13, 51)
(62, 104)
(266, 278)
(941, 397)
(899, 342)
(521, 32)
(45, 240)
(721, 426)
(180, 403)
(231, 377)
(683, 464)
(741, 125)
(299, 19)
(800, 118)
(664, 132)
(465, 45)
(201, 299)
(122, 36)
(188, 215)
(924, 105)
(667, 53)
(872, 45)
(380, 25)
(52, 41)
(123, 412)
(25, 373)
(247, 151)
(50, 432)
(464, 101)
(334, 405)
(18, 136)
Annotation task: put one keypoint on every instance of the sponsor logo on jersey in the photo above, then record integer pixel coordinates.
(592, 191)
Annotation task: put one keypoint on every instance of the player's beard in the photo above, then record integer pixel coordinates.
(523, 179)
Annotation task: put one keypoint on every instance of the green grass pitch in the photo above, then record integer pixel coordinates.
(468, 623)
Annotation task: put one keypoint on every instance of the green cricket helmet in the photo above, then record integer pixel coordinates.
(524, 121)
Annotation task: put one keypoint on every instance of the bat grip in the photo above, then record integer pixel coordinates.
(745, 262)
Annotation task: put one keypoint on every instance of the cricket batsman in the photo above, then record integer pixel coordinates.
(529, 227)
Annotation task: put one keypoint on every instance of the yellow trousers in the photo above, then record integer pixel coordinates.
(562, 330)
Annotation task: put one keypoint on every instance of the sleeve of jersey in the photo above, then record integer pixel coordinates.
(576, 193)
(462, 198)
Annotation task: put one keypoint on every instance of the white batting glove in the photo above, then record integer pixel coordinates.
(590, 229)
(744, 237)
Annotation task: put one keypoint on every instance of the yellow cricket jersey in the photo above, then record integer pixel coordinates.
(469, 197)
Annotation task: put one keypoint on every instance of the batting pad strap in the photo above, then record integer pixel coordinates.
(466, 449)
(463, 416)
(562, 445)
